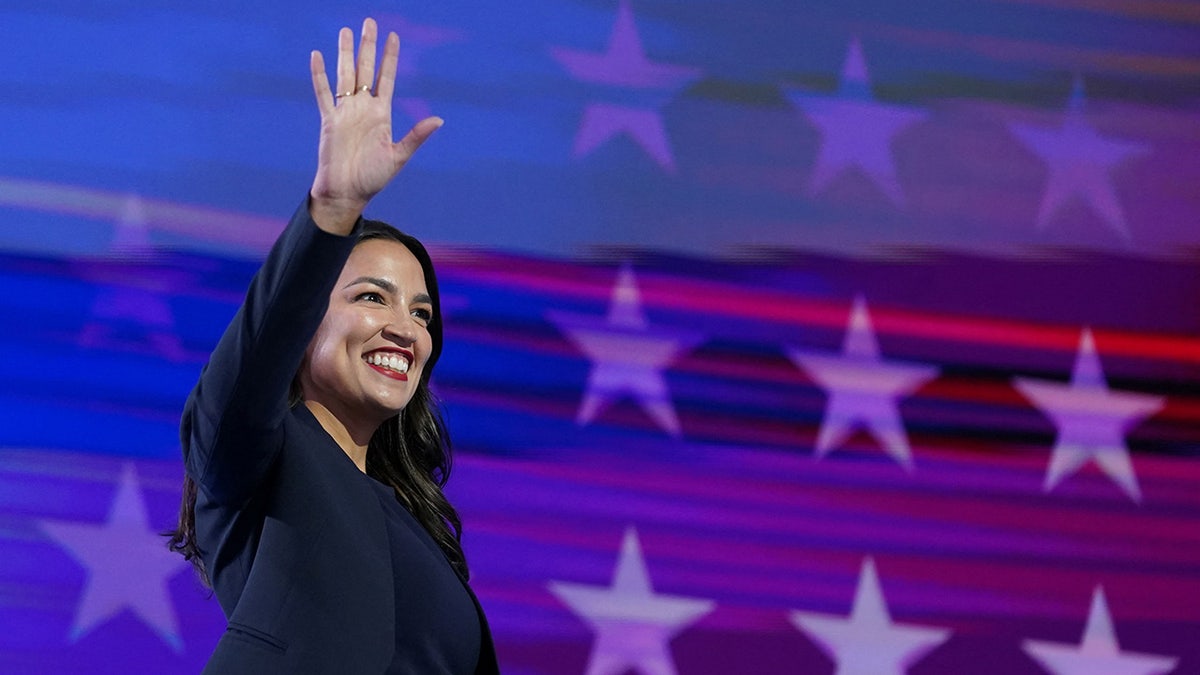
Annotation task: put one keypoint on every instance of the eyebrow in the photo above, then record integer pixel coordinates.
(382, 283)
(390, 288)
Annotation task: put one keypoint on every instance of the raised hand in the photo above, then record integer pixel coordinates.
(356, 156)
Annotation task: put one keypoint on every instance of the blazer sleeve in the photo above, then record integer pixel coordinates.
(232, 424)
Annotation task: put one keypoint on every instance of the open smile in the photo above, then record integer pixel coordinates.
(392, 363)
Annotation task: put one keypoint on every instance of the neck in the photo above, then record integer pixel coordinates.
(352, 438)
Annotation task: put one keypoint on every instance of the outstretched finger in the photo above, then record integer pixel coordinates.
(365, 76)
(387, 69)
(320, 81)
(345, 61)
(421, 131)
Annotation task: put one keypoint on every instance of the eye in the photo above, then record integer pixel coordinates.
(369, 296)
(423, 314)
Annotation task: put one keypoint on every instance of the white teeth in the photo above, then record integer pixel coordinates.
(391, 362)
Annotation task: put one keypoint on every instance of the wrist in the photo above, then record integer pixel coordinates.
(334, 215)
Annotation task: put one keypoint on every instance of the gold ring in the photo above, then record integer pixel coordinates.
(343, 95)
(366, 88)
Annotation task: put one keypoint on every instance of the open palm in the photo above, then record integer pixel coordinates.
(357, 157)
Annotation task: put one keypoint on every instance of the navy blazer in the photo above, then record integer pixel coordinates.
(295, 545)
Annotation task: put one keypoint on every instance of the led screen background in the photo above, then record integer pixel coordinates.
(779, 334)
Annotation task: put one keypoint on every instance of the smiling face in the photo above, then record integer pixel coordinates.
(368, 355)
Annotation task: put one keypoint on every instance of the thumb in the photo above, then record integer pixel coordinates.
(416, 136)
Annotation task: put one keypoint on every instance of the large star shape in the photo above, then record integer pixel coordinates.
(1079, 162)
(863, 388)
(128, 565)
(856, 131)
(628, 356)
(624, 64)
(1091, 420)
(1098, 653)
(868, 642)
(633, 624)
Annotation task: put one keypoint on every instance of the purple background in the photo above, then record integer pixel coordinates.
(782, 337)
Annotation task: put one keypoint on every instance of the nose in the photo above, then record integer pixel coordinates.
(401, 330)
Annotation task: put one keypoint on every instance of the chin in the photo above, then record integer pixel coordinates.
(392, 405)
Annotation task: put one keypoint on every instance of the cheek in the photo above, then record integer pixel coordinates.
(426, 347)
(329, 345)
(318, 360)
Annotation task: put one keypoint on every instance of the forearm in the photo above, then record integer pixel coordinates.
(234, 414)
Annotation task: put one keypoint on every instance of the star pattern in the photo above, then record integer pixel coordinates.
(128, 565)
(1097, 653)
(863, 388)
(93, 587)
(624, 64)
(868, 642)
(1091, 420)
(1080, 163)
(856, 130)
(633, 624)
(628, 356)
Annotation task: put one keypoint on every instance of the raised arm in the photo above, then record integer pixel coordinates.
(232, 423)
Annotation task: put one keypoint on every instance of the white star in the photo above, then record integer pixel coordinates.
(868, 642)
(863, 388)
(856, 130)
(627, 355)
(1098, 653)
(1079, 161)
(1091, 420)
(633, 624)
(128, 565)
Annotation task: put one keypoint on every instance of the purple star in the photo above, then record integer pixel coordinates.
(1091, 420)
(602, 121)
(1080, 162)
(128, 565)
(856, 131)
(868, 642)
(416, 39)
(624, 64)
(628, 356)
(633, 624)
(136, 306)
(1098, 653)
(863, 388)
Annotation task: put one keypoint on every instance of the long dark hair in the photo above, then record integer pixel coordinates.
(410, 451)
